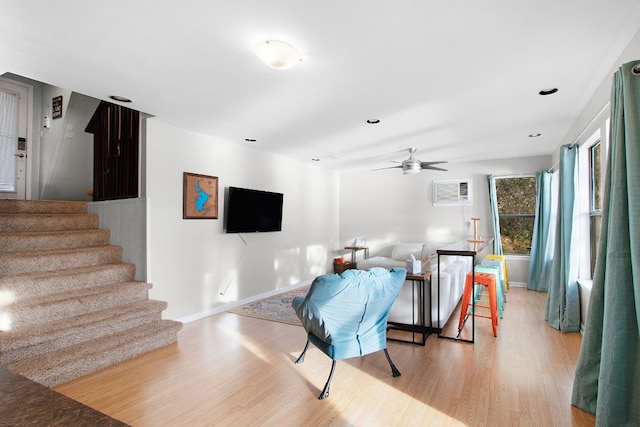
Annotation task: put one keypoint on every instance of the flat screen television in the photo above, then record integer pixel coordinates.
(253, 211)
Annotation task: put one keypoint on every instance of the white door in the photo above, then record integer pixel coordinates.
(15, 143)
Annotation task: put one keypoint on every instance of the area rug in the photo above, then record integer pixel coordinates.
(276, 308)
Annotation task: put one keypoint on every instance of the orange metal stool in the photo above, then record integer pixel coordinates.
(488, 280)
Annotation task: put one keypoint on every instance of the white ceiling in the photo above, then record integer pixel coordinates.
(458, 80)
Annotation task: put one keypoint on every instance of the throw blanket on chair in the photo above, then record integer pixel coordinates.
(345, 315)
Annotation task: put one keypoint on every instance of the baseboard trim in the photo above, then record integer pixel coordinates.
(517, 284)
(228, 306)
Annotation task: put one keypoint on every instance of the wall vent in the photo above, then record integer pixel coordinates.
(457, 192)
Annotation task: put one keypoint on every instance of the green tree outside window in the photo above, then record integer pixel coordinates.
(516, 209)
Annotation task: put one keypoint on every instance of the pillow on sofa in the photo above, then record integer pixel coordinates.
(403, 251)
(445, 261)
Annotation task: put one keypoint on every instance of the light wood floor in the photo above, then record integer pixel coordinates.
(233, 370)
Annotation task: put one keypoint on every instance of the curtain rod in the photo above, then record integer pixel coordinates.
(584, 130)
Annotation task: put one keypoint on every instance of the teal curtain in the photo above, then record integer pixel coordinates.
(541, 242)
(607, 378)
(495, 218)
(563, 300)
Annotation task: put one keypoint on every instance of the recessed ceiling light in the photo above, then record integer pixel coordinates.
(551, 91)
(120, 98)
(534, 135)
(250, 140)
(373, 121)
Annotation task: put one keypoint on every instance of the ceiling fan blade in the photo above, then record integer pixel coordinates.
(423, 164)
(390, 167)
(411, 164)
(434, 167)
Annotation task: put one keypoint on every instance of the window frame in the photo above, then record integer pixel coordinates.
(593, 209)
(595, 213)
(512, 216)
(588, 240)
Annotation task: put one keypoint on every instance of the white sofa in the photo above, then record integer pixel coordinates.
(453, 270)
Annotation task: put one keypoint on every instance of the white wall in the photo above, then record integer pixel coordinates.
(50, 138)
(61, 156)
(126, 221)
(387, 207)
(592, 115)
(191, 262)
(67, 150)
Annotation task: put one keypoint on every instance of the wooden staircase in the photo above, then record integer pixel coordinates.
(69, 306)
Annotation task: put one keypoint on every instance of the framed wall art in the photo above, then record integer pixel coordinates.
(56, 107)
(200, 196)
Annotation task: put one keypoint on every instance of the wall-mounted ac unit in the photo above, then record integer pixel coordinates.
(456, 192)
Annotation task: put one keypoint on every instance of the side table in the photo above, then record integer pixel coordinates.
(354, 253)
(469, 248)
(340, 267)
(419, 330)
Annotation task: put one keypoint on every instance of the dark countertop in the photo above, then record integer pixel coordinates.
(24, 402)
(465, 247)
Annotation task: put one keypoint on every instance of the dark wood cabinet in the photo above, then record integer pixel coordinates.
(116, 146)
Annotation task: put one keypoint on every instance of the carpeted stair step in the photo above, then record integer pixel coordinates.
(28, 262)
(44, 241)
(43, 338)
(47, 222)
(72, 303)
(16, 206)
(69, 306)
(64, 365)
(30, 285)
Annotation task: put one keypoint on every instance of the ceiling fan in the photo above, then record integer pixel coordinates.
(413, 165)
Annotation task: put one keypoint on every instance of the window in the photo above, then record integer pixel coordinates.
(8, 140)
(516, 209)
(595, 200)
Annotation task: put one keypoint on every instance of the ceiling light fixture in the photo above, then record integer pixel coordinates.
(278, 54)
(411, 168)
(120, 98)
